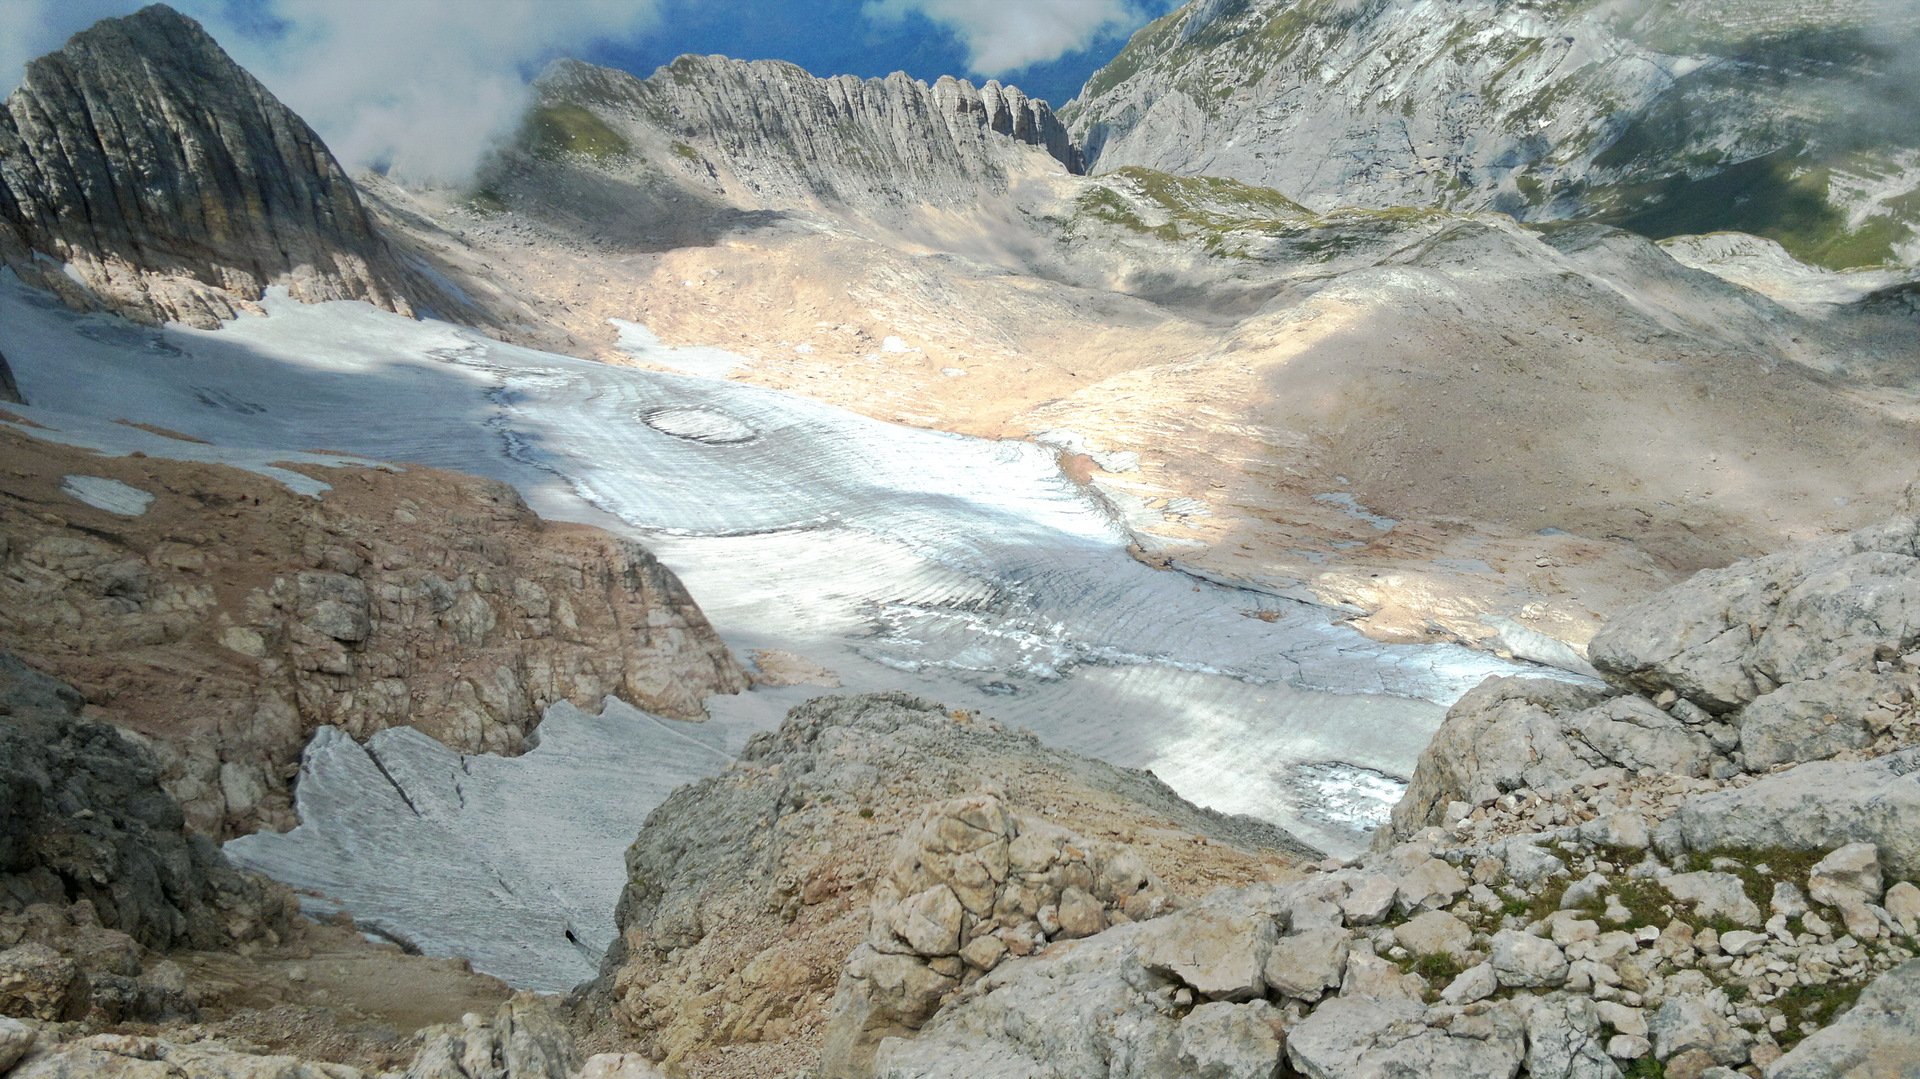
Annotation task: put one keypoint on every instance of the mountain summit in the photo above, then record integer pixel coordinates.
(173, 185)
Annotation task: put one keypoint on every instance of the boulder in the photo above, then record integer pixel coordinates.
(1714, 895)
(1349, 1036)
(37, 982)
(1524, 961)
(1435, 932)
(1306, 964)
(1690, 1023)
(1809, 721)
(1513, 733)
(1727, 637)
(1878, 1038)
(1811, 807)
(524, 1039)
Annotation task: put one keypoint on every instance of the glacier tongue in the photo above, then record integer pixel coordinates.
(970, 571)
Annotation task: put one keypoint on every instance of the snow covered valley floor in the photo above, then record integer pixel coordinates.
(971, 572)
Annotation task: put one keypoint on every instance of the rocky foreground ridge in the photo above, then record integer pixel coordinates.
(172, 186)
(1707, 868)
(225, 618)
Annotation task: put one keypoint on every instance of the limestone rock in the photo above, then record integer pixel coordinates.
(118, 1056)
(1808, 721)
(813, 845)
(465, 624)
(786, 138)
(1435, 932)
(969, 875)
(1219, 1040)
(1714, 895)
(1851, 874)
(1564, 1040)
(172, 185)
(1522, 960)
(37, 982)
(1878, 1038)
(86, 819)
(1812, 807)
(1727, 637)
(523, 1040)
(1350, 1036)
(1552, 113)
(1685, 1024)
(1306, 964)
(1512, 733)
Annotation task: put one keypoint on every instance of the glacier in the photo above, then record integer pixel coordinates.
(969, 571)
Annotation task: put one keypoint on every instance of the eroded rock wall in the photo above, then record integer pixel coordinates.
(229, 617)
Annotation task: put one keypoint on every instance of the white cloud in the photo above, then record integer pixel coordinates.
(420, 86)
(1003, 36)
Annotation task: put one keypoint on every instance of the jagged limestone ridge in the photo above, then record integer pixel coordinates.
(791, 136)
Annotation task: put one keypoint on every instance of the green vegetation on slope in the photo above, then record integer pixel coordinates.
(552, 131)
(1778, 196)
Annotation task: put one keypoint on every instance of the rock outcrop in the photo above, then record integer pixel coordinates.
(171, 185)
(1582, 881)
(747, 891)
(785, 138)
(227, 618)
(86, 820)
(1677, 117)
(9, 389)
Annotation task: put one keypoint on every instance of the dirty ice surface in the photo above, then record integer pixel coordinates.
(969, 571)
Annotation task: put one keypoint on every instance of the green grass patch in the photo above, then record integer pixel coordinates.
(1780, 196)
(554, 131)
(681, 149)
(1780, 864)
(487, 202)
(1819, 1004)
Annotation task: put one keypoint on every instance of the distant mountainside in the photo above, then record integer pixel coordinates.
(1792, 119)
(172, 185)
(772, 133)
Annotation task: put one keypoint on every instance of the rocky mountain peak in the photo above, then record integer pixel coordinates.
(173, 185)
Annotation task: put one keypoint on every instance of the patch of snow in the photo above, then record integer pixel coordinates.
(107, 494)
(642, 344)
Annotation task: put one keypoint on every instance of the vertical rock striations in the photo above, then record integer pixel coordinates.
(173, 185)
(787, 137)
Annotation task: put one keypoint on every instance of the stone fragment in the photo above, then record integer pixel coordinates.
(1370, 900)
(1435, 932)
(1524, 961)
(1714, 895)
(1306, 964)
(1878, 1036)
(1849, 874)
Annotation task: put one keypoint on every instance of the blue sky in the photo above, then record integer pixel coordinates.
(426, 85)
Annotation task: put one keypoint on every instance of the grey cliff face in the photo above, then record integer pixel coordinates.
(1791, 120)
(788, 136)
(173, 184)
